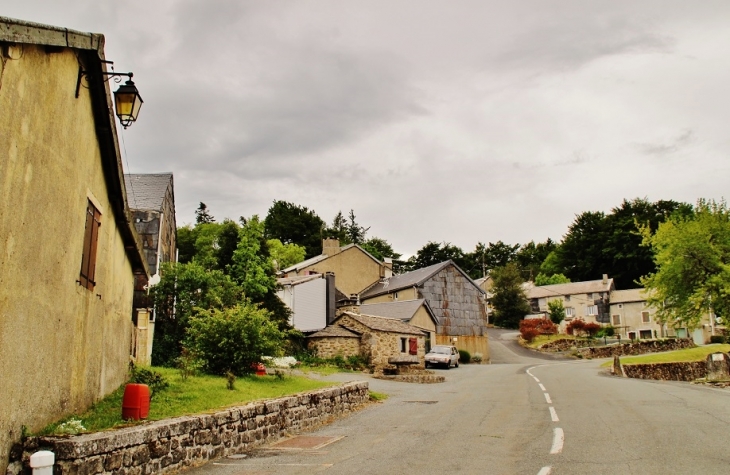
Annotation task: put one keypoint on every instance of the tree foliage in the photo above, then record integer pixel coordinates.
(556, 311)
(202, 215)
(543, 279)
(379, 248)
(294, 224)
(233, 339)
(251, 267)
(435, 253)
(508, 300)
(692, 255)
(285, 255)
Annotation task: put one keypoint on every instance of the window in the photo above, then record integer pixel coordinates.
(567, 298)
(403, 345)
(569, 312)
(645, 317)
(542, 303)
(91, 236)
(617, 319)
(591, 309)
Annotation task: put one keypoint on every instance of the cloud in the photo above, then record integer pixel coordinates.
(673, 145)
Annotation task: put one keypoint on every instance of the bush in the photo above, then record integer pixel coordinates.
(529, 334)
(464, 357)
(233, 339)
(477, 357)
(151, 378)
(530, 329)
(717, 339)
(575, 327)
(591, 329)
(606, 331)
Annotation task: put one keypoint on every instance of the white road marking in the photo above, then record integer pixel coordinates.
(558, 440)
(542, 387)
(554, 414)
(547, 398)
(545, 471)
(533, 376)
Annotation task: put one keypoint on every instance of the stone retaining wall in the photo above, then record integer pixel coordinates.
(684, 371)
(172, 444)
(639, 348)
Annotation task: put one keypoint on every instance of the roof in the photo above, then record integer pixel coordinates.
(402, 310)
(412, 279)
(572, 288)
(314, 260)
(334, 331)
(629, 295)
(147, 190)
(90, 52)
(298, 279)
(384, 324)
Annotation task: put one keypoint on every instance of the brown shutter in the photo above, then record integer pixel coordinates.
(413, 346)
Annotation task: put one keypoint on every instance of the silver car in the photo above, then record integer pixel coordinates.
(443, 355)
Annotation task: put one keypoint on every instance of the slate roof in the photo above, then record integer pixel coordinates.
(402, 310)
(572, 288)
(322, 257)
(147, 190)
(334, 331)
(385, 324)
(298, 279)
(629, 295)
(411, 279)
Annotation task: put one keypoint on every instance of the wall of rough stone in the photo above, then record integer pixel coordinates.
(173, 444)
(640, 348)
(329, 347)
(684, 371)
(456, 302)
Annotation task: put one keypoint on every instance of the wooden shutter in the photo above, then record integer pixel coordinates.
(413, 346)
(91, 237)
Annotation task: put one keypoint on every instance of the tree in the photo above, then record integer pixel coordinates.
(355, 232)
(233, 339)
(508, 300)
(338, 230)
(285, 255)
(543, 279)
(531, 256)
(251, 267)
(182, 288)
(692, 255)
(293, 224)
(380, 248)
(556, 311)
(435, 253)
(202, 215)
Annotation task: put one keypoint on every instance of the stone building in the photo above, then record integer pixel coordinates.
(453, 297)
(67, 237)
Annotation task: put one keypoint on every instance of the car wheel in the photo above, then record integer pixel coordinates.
(448, 365)
(427, 364)
(456, 365)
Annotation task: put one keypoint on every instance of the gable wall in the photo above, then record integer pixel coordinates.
(63, 346)
(456, 303)
(354, 270)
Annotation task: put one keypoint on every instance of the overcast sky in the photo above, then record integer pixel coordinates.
(455, 121)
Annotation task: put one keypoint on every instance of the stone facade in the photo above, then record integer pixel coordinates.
(640, 348)
(173, 444)
(329, 347)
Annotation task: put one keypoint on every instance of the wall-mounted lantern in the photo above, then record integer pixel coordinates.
(127, 101)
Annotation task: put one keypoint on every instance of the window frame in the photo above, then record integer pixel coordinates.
(87, 273)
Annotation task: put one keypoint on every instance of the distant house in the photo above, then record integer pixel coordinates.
(588, 300)
(311, 298)
(634, 318)
(151, 199)
(69, 251)
(453, 297)
(486, 283)
(414, 312)
(377, 339)
(354, 268)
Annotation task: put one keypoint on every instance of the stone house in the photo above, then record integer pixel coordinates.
(456, 301)
(67, 236)
(588, 300)
(378, 339)
(354, 267)
(414, 312)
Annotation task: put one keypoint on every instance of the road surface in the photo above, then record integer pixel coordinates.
(523, 414)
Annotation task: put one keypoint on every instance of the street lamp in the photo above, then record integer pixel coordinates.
(127, 102)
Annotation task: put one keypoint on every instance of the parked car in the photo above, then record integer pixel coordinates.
(443, 355)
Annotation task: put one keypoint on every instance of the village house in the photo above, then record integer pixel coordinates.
(311, 299)
(588, 300)
(456, 301)
(414, 312)
(67, 237)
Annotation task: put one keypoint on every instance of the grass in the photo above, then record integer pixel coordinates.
(324, 370)
(199, 394)
(375, 396)
(542, 339)
(689, 354)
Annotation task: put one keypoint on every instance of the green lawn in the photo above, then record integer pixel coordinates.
(197, 394)
(542, 339)
(690, 354)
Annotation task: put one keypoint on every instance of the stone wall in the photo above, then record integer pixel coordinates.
(640, 348)
(173, 444)
(329, 347)
(683, 371)
(456, 302)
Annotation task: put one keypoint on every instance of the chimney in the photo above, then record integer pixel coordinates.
(387, 268)
(605, 279)
(330, 247)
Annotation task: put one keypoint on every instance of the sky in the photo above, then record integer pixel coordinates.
(446, 121)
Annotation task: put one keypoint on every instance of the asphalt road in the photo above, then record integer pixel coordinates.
(523, 414)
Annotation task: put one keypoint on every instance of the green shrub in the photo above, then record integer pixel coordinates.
(151, 378)
(717, 339)
(233, 339)
(477, 357)
(464, 356)
(606, 331)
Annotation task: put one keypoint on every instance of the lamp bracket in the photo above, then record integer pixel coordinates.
(117, 77)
